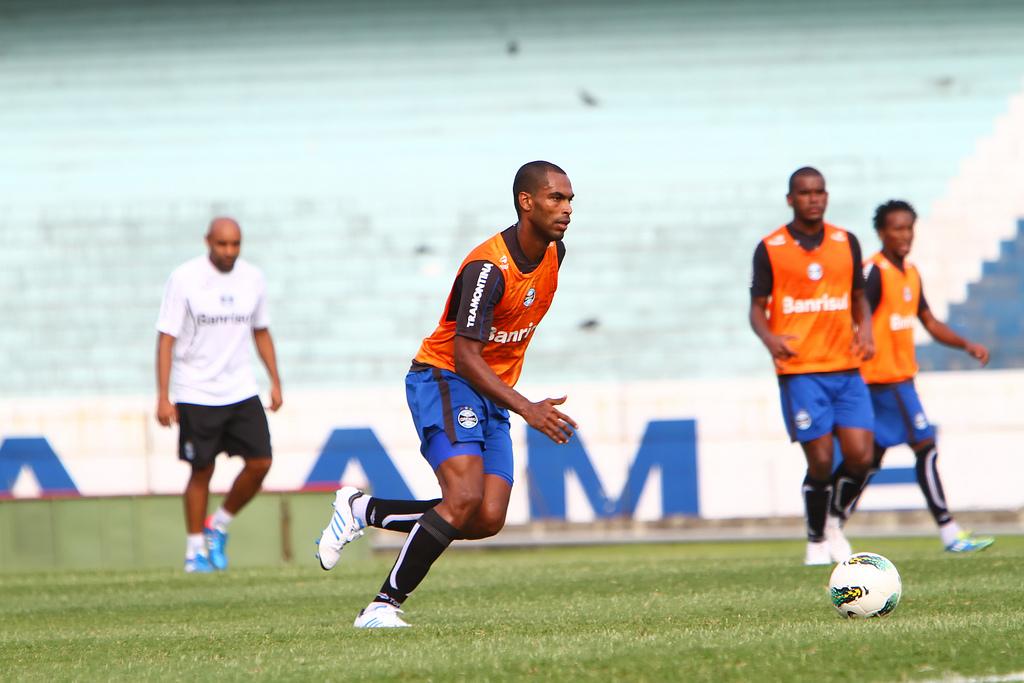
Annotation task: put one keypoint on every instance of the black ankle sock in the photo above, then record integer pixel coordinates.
(876, 463)
(430, 536)
(817, 495)
(846, 489)
(396, 515)
(930, 483)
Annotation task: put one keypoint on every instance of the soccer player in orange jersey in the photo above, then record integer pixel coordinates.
(460, 391)
(896, 297)
(808, 308)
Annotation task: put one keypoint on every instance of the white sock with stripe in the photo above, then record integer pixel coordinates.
(949, 532)
(195, 544)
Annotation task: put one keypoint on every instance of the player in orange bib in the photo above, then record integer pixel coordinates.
(460, 391)
(808, 308)
(896, 297)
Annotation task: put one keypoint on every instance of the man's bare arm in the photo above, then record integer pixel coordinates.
(542, 415)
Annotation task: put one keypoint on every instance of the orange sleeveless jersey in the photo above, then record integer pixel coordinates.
(811, 299)
(893, 323)
(526, 299)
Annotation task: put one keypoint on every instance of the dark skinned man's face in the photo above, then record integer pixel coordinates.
(225, 242)
(897, 234)
(808, 198)
(551, 206)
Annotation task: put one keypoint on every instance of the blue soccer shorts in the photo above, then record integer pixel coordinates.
(452, 419)
(816, 403)
(899, 417)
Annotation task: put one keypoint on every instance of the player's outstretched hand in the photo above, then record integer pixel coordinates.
(977, 351)
(863, 345)
(166, 412)
(275, 398)
(553, 423)
(778, 346)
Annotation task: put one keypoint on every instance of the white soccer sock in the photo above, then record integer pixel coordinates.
(195, 544)
(359, 508)
(949, 531)
(220, 519)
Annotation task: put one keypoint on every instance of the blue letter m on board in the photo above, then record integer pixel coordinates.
(361, 445)
(670, 445)
(35, 453)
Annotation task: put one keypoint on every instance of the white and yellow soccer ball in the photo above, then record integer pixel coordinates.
(865, 585)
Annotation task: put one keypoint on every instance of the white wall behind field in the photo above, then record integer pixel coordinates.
(746, 465)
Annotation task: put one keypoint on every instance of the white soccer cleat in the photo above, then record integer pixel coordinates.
(838, 547)
(341, 530)
(380, 615)
(817, 554)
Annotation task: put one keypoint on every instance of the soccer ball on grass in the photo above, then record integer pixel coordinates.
(865, 585)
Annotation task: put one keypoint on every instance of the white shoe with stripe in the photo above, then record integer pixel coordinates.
(380, 615)
(838, 546)
(341, 530)
(817, 554)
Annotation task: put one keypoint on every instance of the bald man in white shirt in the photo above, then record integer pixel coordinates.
(212, 306)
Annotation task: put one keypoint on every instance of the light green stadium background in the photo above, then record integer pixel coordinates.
(366, 146)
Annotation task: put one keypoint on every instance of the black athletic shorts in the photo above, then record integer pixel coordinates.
(236, 429)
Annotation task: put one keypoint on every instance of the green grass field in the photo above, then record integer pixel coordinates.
(688, 612)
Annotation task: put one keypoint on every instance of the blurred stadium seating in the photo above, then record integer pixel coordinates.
(366, 147)
(993, 314)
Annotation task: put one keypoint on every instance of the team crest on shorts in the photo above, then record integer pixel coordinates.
(531, 294)
(190, 451)
(467, 418)
(802, 420)
(814, 271)
(920, 421)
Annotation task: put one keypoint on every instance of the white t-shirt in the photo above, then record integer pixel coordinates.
(212, 315)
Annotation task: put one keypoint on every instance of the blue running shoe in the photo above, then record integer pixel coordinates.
(200, 564)
(216, 541)
(967, 543)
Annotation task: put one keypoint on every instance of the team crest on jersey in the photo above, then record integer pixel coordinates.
(531, 294)
(907, 294)
(920, 422)
(814, 271)
(467, 418)
(802, 420)
(227, 300)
